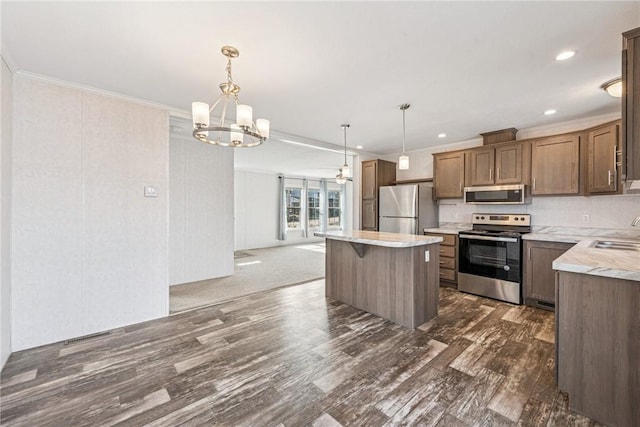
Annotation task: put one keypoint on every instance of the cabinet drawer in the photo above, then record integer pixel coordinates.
(448, 251)
(446, 262)
(448, 240)
(447, 274)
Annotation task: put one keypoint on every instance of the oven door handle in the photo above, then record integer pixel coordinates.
(493, 239)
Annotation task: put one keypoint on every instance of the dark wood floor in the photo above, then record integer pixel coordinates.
(290, 357)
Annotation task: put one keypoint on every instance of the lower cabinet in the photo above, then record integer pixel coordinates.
(539, 276)
(448, 259)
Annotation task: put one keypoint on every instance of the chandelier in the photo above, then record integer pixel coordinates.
(403, 161)
(244, 132)
(345, 172)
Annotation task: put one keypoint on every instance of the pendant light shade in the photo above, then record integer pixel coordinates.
(403, 160)
(345, 170)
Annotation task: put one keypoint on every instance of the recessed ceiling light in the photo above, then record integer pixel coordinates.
(549, 112)
(565, 55)
(442, 135)
(359, 147)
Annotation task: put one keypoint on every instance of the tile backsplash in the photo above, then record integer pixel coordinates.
(590, 212)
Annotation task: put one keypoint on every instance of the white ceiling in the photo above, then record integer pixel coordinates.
(465, 67)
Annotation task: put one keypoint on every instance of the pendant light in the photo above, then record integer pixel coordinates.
(345, 171)
(403, 160)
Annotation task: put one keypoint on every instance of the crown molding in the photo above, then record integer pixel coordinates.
(8, 59)
(173, 111)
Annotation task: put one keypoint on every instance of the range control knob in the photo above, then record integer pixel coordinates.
(522, 218)
(516, 218)
(481, 217)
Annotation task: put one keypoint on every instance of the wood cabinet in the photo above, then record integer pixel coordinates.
(448, 259)
(555, 165)
(598, 346)
(375, 173)
(602, 159)
(495, 166)
(539, 276)
(631, 102)
(448, 174)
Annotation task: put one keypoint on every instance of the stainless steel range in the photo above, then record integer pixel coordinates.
(490, 256)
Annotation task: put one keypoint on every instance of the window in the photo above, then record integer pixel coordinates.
(293, 196)
(333, 198)
(313, 207)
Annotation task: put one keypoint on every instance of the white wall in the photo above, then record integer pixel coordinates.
(256, 212)
(89, 252)
(201, 211)
(6, 113)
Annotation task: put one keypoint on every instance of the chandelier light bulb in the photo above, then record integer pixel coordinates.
(244, 115)
(346, 171)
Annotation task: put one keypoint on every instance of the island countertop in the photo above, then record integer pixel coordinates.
(377, 238)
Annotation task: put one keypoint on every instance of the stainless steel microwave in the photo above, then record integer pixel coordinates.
(497, 195)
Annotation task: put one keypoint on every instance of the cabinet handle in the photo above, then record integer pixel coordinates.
(529, 254)
(461, 187)
(490, 174)
(498, 174)
(534, 183)
(615, 156)
(609, 178)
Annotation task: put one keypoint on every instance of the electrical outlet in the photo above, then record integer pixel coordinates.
(585, 218)
(426, 256)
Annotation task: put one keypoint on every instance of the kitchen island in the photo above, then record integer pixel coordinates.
(394, 276)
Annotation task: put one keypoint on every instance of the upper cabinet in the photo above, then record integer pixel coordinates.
(375, 173)
(631, 102)
(555, 165)
(603, 149)
(500, 165)
(448, 174)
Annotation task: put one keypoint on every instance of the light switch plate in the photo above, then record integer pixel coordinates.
(150, 191)
(426, 256)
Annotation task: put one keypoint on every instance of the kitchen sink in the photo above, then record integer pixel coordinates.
(611, 244)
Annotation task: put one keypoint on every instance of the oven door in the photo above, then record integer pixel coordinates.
(494, 257)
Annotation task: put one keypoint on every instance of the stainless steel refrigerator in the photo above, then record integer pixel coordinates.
(407, 209)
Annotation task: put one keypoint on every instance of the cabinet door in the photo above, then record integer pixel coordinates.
(631, 102)
(481, 167)
(448, 174)
(602, 147)
(369, 180)
(508, 164)
(370, 215)
(539, 277)
(555, 165)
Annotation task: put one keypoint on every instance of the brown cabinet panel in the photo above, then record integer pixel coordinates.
(539, 276)
(508, 164)
(375, 173)
(555, 165)
(369, 215)
(481, 166)
(602, 170)
(448, 174)
(631, 103)
(369, 180)
(448, 259)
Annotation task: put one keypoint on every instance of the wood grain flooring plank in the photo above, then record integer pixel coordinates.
(293, 357)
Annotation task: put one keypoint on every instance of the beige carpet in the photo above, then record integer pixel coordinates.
(256, 270)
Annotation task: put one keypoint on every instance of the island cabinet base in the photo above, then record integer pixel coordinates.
(598, 346)
(391, 282)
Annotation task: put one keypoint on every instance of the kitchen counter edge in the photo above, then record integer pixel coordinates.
(376, 238)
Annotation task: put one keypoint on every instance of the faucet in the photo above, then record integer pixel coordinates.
(635, 221)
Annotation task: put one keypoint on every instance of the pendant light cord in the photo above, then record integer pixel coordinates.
(404, 132)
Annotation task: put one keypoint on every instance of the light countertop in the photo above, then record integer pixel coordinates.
(449, 228)
(391, 240)
(586, 259)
